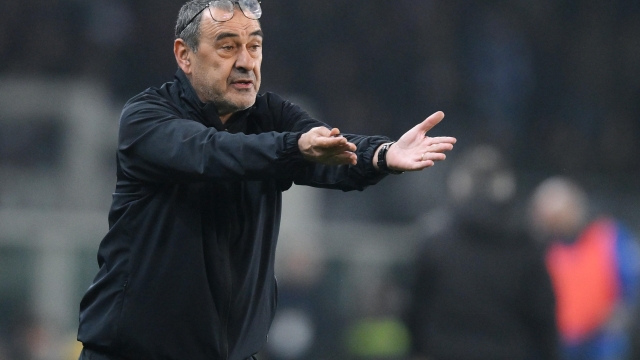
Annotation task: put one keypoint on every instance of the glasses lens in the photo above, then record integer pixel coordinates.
(251, 8)
(221, 10)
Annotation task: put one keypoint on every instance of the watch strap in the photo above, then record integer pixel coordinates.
(382, 160)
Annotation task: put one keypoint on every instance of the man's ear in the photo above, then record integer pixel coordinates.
(183, 55)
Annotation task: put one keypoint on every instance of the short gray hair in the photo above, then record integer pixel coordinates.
(190, 34)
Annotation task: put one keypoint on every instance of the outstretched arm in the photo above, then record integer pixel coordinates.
(415, 150)
(412, 152)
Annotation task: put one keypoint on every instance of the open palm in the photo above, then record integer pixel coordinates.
(415, 150)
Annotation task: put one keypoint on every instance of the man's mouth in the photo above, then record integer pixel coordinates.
(242, 84)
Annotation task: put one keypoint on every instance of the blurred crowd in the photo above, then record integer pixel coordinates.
(555, 279)
(552, 86)
(555, 82)
(560, 280)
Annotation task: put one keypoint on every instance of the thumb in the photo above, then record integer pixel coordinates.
(431, 121)
(320, 131)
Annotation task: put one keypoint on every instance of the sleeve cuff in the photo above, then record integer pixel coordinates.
(366, 158)
(289, 158)
(291, 149)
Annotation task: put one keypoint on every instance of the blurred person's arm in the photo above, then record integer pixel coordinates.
(628, 255)
(628, 258)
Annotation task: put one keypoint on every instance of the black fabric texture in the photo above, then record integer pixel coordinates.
(482, 293)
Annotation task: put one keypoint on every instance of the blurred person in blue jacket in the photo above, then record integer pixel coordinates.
(480, 288)
(594, 263)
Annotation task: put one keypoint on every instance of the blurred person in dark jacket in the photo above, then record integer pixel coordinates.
(594, 263)
(187, 266)
(480, 288)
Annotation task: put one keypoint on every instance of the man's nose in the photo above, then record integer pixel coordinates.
(245, 60)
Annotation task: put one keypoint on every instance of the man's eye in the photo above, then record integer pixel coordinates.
(227, 47)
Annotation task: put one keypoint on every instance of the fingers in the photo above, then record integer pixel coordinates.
(327, 147)
(322, 131)
(441, 139)
(340, 143)
(333, 142)
(421, 165)
(439, 147)
(434, 152)
(344, 158)
(432, 156)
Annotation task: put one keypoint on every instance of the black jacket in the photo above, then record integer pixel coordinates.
(187, 267)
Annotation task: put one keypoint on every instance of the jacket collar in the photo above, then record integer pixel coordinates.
(207, 113)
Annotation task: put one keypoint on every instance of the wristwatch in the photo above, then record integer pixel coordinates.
(382, 160)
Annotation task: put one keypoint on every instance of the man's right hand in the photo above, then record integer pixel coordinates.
(327, 147)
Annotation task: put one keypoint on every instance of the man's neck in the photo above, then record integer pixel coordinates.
(225, 117)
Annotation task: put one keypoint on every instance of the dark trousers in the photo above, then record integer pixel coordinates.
(88, 354)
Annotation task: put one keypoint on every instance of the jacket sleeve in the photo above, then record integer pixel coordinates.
(343, 177)
(157, 145)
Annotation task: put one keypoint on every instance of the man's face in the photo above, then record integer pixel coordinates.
(225, 69)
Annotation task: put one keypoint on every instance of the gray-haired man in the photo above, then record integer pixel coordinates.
(186, 269)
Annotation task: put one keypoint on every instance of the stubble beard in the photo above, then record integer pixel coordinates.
(209, 93)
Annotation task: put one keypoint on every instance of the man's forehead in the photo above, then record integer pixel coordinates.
(239, 25)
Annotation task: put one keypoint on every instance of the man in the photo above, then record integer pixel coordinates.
(594, 264)
(481, 290)
(186, 269)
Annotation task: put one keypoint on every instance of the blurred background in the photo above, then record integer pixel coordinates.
(554, 85)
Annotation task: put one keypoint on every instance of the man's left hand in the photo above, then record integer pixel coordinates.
(415, 150)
